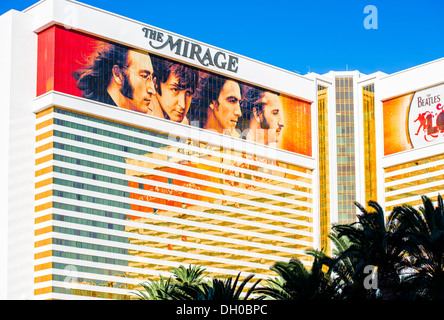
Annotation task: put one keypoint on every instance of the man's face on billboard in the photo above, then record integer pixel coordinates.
(174, 101)
(138, 86)
(272, 117)
(227, 109)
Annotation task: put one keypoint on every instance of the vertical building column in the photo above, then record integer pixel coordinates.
(345, 139)
(18, 65)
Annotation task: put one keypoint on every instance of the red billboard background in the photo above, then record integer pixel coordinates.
(62, 51)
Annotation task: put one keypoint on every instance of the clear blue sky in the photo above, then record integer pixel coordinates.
(300, 36)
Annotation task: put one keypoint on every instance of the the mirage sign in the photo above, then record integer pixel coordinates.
(194, 51)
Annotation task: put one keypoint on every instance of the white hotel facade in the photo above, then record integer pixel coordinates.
(98, 199)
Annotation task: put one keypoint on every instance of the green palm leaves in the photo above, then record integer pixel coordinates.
(189, 284)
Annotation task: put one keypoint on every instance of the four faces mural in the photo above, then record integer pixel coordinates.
(152, 85)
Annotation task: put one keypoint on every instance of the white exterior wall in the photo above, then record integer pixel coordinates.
(18, 85)
(364, 81)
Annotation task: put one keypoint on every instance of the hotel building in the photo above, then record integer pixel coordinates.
(104, 193)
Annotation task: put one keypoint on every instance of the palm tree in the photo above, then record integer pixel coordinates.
(373, 243)
(225, 290)
(295, 282)
(423, 235)
(156, 290)
(193, 275)
(189, 284)
(346, 282)
(217, 289)
(172, 287)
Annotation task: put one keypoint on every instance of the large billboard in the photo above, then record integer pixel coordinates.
(89, 67)
(414, 120)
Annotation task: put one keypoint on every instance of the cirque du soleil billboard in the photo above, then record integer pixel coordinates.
(414, 120)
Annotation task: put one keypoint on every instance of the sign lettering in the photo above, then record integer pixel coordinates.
(426, 117)
(193, 51)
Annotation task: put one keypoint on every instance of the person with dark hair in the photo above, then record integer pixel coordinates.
(266, 116)
(222, 98)
(118, 76)
(175, 86)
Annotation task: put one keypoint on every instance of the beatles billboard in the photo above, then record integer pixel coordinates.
(414, 120)
(85, 66)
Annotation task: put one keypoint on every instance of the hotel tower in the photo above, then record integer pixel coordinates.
(131, 150)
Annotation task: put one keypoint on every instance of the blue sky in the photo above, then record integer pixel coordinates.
(299, 36)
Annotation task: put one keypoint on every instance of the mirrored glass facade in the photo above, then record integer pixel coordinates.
(345, 144)
(119, 205)
(407, 182)
(368, 104)
(324, 167)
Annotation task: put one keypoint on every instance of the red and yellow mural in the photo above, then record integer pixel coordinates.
(82, 65)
